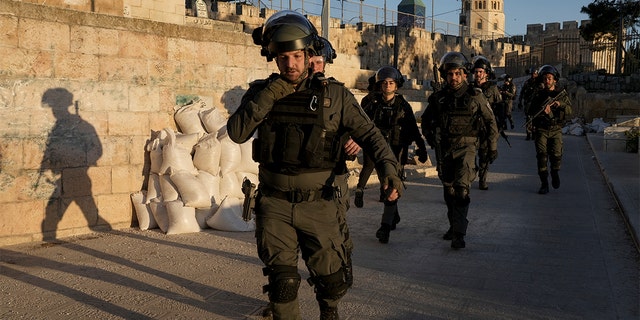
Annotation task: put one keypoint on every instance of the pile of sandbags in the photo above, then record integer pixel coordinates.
(195, 175)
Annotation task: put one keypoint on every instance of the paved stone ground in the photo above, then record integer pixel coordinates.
(564, 255)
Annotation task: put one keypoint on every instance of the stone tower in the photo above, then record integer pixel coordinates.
(415, 13)
(483, 19)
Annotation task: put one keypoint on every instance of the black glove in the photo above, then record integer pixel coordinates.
(493, 155)
(422, 154)
(274, 91)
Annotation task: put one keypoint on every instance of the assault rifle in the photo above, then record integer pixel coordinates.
(549, 101)
(249, 190)
(506, 137)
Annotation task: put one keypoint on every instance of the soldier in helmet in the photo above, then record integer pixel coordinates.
(393, 115)
(528, 89)
(317, 64)
(508, 92)
(483, 73)
(299, 122)
(547, 121)
(451, 124)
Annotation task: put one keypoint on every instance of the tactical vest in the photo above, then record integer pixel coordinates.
(387, 118)
(459, 117)
(294, 135)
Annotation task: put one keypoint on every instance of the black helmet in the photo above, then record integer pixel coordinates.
(390, 72)
(480, 62)
(286, 31)
(507, 78)
(326, 50)
(549, 69)
(453, 60)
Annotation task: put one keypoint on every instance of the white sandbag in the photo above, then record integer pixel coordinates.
(154, 148)
(143, 211)
(192, 192)
(230, 158)
(187, 141)
(228, 217)
(182, 219)
(203, 214)
(231, 186)
(169, 189)
(187, 117)
(213, 119)
(159, 211)
(207, 154)
(212, 184)
(154, 190)
(174, 156)
(246, 158)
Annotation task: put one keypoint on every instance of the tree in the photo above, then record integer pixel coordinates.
(605, 18)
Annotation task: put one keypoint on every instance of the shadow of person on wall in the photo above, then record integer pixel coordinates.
(72, 147)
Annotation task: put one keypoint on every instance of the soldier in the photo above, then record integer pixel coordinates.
(508, 92)
(299, 122)
(317, 63)
(451, 124)
(528, 89)
(483, 72)
(393, 115)
(548, 111)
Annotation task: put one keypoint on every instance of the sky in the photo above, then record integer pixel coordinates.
(518, 13)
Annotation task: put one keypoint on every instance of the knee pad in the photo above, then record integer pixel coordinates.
(284, 282)
(462, 195)
(333, 286)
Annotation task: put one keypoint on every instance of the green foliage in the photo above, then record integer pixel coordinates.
(605, 18)
(633, 136)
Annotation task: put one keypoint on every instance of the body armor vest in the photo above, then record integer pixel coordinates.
(294, 136)
(459, 117)
(387, 117)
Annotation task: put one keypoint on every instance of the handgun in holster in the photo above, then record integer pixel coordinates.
(248, 206)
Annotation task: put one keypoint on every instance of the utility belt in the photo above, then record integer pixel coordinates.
(298, 196)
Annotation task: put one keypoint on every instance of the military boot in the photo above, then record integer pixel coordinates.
(383, 233)
(458, 241)
(555, 179)
(328, 313)
(359, 199)
(482, 181)
(544, 182)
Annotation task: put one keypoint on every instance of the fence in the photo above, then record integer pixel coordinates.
(353, 12)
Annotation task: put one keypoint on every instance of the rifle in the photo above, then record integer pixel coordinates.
(248, 206)
(549, 101)
(506, 138)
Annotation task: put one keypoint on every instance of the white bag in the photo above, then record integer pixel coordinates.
(207, 154)
(181, 219)
(213, 119)
(143, 211)
(174, 156)
(159, 211)
(154, 191)
(230, 158)
(228, 217)
(188, 119)
(192, 192)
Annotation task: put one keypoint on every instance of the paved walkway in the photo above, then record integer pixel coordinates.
(564, 255)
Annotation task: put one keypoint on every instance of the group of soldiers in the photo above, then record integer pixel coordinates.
(306, 126)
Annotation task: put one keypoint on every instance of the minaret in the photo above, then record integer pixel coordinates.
(483, 19)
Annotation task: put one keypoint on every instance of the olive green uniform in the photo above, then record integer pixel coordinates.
(547, 132)
(451, 122)
(298, 207)
(492, 93)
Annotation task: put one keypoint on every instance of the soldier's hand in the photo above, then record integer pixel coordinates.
(274, 91)
(351, 148)
(392, 186)
(422, 154)
(493, 155)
